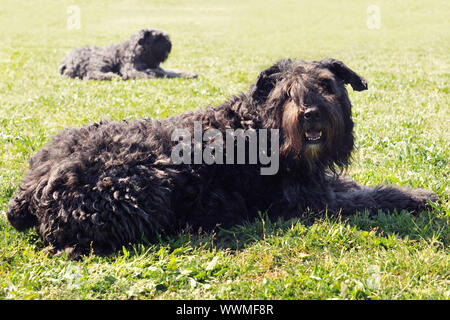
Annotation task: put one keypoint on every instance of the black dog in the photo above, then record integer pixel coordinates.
(138, 57)
(108, 184)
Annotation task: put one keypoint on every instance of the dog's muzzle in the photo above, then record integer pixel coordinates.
(313, 130)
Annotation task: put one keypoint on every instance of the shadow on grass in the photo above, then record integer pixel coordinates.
(429, 226)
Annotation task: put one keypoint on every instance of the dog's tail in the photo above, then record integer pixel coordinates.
(19, 212)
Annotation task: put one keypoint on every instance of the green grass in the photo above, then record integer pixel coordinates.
(401, 127)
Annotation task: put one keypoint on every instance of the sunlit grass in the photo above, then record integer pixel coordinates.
(402, 135)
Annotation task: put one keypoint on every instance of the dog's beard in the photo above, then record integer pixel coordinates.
(311, 153)
(313, 140)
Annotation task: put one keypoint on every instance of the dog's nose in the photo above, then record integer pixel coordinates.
(312, 114)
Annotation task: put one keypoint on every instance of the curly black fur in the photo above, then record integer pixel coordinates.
(109, 184)
(138, 57)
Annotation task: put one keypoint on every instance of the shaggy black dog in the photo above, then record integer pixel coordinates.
(138, 57)
(109, 184)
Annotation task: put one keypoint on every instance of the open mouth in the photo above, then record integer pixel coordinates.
(313, 136)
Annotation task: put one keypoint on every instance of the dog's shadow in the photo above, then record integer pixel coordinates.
(431, 226)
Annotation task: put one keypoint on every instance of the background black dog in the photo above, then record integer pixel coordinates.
(138, 57)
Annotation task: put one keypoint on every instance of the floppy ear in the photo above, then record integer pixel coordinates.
(265, 83)
(357, 82)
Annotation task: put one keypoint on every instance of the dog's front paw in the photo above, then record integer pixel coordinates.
(189, 75)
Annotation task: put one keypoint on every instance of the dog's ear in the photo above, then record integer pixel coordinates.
(357, 82)
(266, 82)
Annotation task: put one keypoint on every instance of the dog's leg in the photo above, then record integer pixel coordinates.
(130, 71)
(176, 73)
(349, 197)
(99, 75)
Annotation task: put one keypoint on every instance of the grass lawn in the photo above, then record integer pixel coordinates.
(402, 130)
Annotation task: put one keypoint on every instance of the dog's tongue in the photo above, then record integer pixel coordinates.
(313, 134)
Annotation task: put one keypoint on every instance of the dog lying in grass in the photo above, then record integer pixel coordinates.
(138, 57)
(109, 184)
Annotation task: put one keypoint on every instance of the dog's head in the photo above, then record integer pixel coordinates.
(151, 47)
(309, 103)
